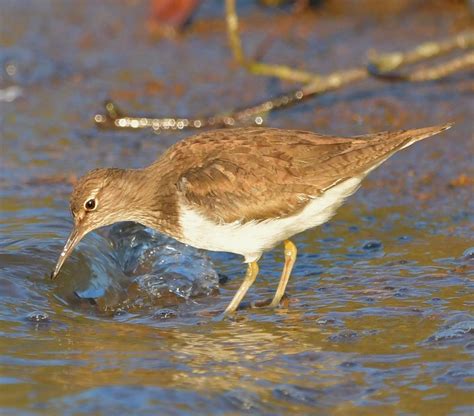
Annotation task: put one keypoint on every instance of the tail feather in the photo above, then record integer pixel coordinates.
(386, 144)
(415, 135)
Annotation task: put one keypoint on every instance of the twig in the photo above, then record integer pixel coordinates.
(386, 63)
(380, 66)
(443, 70)
(114, 118)
(258, 68)
(433, 73)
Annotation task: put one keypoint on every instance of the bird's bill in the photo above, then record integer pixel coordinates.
(72, 241)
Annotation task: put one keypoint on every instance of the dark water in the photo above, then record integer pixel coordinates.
(380, 310)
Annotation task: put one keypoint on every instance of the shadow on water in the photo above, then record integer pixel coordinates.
(380, 303)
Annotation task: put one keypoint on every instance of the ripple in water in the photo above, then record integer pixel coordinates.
(148, 269)
(458, 329)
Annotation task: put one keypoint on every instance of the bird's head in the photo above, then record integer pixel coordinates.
(101, 197)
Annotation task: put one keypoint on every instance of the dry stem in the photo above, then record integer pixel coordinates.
(380, 66)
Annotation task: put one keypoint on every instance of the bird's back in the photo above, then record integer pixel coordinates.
(247, 174)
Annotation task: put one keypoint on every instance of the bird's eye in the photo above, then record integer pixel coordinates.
(90, 205)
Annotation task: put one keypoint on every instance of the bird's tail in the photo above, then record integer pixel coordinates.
(415, 135)
(389, 143)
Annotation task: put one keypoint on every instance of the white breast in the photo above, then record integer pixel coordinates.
(252, 238)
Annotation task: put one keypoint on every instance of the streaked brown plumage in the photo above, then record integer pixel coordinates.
(224, 168)
(235, 180)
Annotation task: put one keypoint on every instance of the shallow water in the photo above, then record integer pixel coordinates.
(380, 309)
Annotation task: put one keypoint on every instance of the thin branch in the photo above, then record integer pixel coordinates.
(386, 63)
(255, 67)
(380, 66)
(443, 70)
(233, 31)
(114, 118)
(433, 73)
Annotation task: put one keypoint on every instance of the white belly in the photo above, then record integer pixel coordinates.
(252, 238)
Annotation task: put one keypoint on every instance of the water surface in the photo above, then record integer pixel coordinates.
(379, 314)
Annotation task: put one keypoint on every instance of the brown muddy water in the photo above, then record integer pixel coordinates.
(379, 316)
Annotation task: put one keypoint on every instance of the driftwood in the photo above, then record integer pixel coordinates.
(386, 67)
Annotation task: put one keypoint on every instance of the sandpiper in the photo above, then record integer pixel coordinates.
(238, 190)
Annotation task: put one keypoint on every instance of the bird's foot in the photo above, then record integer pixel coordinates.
(260, 303)
(232, 316)
(285, 300)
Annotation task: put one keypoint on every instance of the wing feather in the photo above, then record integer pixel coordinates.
(251, 174)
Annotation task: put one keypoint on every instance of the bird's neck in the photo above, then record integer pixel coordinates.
(153, 200)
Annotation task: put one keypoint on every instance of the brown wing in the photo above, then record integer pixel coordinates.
(250, 174)
(239, 190)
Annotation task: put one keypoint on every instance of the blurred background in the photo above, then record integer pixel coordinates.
(379, 315)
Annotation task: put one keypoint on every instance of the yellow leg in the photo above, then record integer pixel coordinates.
(290, 258)
(250, 276)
